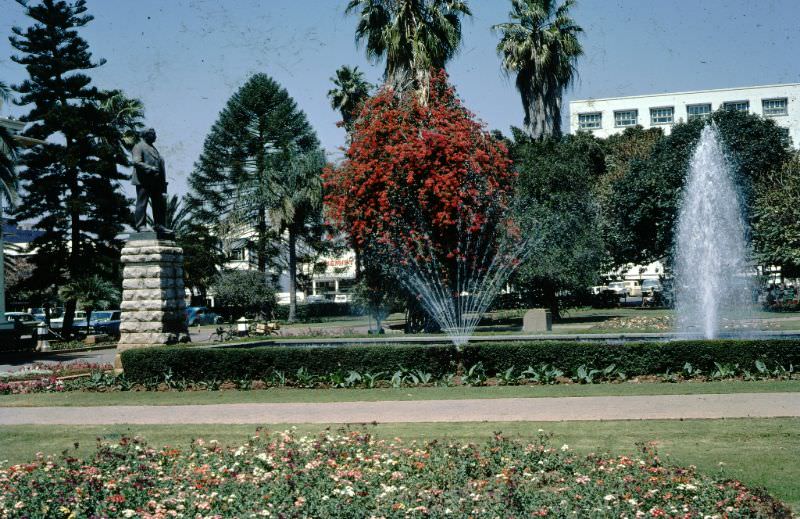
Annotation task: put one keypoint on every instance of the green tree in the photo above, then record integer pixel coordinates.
(349, 93)
(414, 36)
(91, 293)
(234, 176)
(776, 218)
(540, 45)
(71, 183)
(203, 257)
(297, 207)
(245, 292)
(644, 207)
(555, 200)
(8, 157)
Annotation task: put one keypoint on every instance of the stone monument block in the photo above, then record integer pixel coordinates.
(537, 320)
(153, 305)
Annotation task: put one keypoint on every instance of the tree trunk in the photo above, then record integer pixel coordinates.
(74, 255)
(551, 299)
(262, 240)
(88, 320)
(69, 318)
(358, 264)
(292, 275)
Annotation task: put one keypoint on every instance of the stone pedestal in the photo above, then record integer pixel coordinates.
(537, 320)
(153, 305)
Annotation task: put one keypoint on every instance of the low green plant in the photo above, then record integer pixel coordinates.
(724, 371)
(544, 374)
(475, 375)
(586, 375)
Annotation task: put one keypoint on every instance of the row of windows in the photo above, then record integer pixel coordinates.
(666, 114)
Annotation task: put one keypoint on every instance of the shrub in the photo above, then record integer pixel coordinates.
(244, 292)
(632, 359)
(314, 311)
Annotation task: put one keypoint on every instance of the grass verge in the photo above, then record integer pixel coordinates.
(290, 395)
(759, 452)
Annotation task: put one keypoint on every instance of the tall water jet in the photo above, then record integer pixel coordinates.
(711, 255)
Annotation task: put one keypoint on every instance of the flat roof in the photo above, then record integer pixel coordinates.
(684, 93)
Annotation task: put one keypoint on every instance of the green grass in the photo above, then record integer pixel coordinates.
(73, 399)
(760, 452)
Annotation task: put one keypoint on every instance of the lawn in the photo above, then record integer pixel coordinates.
(74, 399)
(760, 452)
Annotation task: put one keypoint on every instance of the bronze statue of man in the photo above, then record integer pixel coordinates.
(150, 179)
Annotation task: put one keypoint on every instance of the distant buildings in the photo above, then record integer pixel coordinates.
(608, 116)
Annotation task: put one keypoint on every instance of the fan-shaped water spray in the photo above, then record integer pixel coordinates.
(711, 253)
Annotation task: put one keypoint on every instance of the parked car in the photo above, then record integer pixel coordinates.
(651, 285)
(25, 326)
(200, 315)
(78, 322)
(107, 322)
(626, 288)
(341, 298)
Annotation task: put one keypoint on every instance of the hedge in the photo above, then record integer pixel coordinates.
(645, 358)
(314, 311)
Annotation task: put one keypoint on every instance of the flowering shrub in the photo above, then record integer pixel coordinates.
(354, 475)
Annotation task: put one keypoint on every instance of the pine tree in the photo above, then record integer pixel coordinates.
(71, 183)
(233, 180)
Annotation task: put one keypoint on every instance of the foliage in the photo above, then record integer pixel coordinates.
(311, 312)
(553, 359)
(91, 293)
(555, 191)
(244, 292)
(776, 226)
(352, 474)
(202, 256)
(414, 36)
(645, 200)
(418, 182)
(8, 156)
(234, 178)
(541, 46)
(350, 92)
(72, 183)
(296, 208)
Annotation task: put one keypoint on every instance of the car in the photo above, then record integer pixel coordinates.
(106, 322)
(200, 315)
(626, 288)
(341, 298)
(78, 322)
(651, 285)
(316, 299)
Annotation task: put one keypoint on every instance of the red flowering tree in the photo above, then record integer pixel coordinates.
(425, 189)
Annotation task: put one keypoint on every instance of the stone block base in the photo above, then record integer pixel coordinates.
(153, 306)
(537, 320)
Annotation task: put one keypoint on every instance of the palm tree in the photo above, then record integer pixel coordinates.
(297, 204)
(177, 216)
(8, 156)
(541, 46)
(350, 93)
(414, 36)
(91, 293)
(126, 115)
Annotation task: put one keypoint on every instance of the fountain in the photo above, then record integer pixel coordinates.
(456, 291)
(711, 250)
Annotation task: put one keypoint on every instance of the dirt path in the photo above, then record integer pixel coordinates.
(504, 409)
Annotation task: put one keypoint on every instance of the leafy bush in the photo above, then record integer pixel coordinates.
(552, 358)
(308, 312)
(244, 292)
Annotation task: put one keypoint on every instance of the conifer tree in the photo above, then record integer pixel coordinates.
(235, 176)
(71, 183)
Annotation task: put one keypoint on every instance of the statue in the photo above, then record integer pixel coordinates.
(150, 179)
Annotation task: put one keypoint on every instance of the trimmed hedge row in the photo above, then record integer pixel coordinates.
(645, 358)
(314, 311)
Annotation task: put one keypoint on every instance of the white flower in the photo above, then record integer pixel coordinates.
(128, 512)
(565, 447)
(610, 497)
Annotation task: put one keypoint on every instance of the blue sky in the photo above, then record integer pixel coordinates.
(184, 58)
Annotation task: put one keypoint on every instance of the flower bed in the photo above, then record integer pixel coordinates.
(47, 377)
(353, 475)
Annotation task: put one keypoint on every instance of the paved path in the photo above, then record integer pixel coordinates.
(500, 410)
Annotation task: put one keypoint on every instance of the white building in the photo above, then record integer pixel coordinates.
(608, 116)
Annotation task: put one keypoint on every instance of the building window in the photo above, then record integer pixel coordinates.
(737, 106)
(774, 107)
(698, 111)
(626, 118)
(592, 121)
(236, 255)
(664, 115)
